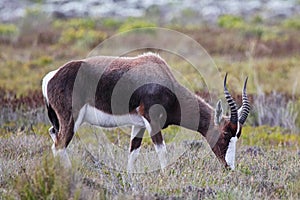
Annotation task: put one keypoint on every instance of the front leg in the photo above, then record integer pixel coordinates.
(161, 149)
(53, 133)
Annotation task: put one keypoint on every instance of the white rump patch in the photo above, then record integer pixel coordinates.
(230, 153)
(46, 80)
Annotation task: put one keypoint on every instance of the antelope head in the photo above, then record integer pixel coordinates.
(229, 129)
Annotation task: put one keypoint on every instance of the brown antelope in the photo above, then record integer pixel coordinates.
(138, 91)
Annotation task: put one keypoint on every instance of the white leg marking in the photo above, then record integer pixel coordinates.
(132, 158)
(230, 153)
(52, 134)
(62, 155)
(161, 151)
(46, 80)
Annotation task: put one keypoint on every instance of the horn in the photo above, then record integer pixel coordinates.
(231, 102)
(245, 105)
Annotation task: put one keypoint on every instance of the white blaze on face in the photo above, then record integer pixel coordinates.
(230, 153)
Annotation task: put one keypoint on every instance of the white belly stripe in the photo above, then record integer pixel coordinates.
(97, 117)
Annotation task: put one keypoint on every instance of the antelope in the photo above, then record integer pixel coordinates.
(140, 92)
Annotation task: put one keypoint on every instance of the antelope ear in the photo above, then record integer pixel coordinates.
(218, 113)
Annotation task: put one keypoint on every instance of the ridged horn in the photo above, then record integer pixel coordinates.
(231, 102)
(245, 105)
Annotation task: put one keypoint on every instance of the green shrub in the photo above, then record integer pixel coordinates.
(257, 19)
(39, 62)
(8, 32)
(189, 13)
(47, 181)
(80, 32)
(75, 23)
(132, 23)
(268, 136)
(82, 37)
(111, 23)
(254, 31)
(293, 23)
(34, 24)
(230, 21)
(8, 29)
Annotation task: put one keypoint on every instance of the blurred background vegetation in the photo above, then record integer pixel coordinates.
(265, 50)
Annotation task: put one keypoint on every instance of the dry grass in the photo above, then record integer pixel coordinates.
(267, 158)
(29, 171)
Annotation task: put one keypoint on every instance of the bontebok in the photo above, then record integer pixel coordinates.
(143, 93)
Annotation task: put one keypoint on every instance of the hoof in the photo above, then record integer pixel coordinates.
(62, 155)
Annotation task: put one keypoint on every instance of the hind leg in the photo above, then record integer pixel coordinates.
(53, 133)
(61, 138)
(137, 134)
(53, 130)
(60, 144)
(160, 147)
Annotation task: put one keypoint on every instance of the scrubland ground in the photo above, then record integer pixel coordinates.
(267, 155)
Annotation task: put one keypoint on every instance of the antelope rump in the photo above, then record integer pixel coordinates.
(140, 92)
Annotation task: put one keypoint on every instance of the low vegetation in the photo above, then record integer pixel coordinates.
(267, 154)
(265, 169)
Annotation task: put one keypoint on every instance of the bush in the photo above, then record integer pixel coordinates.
(39, 62)
(293, 23)
(82, 37)
(8, 32)
(257, 19)
(34, 24)
(132, 23)
(230, 21)
(269, 136)
(276, 110)
(75, 23)
(254, 31)
(47, 181)
(111, 23)
(80, 32)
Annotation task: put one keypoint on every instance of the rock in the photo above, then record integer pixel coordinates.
(209, 10)
(278, 10)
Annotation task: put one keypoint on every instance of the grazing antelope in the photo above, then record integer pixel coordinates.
(138, 91)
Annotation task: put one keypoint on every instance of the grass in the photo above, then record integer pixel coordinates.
(234, 52)
(267, 157)
(29, 171)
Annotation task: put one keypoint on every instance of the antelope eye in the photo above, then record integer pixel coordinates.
(226, 133)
